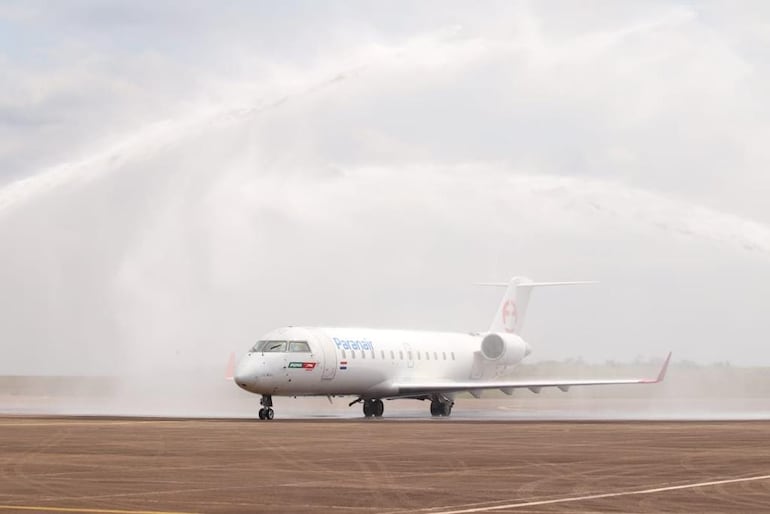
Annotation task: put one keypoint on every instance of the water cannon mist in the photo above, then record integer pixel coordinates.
(372, 183)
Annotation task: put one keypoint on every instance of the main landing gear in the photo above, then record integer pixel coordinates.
(374, 408)
(441, 406)
(266, 412)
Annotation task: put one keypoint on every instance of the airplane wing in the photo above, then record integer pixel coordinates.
(408, 389)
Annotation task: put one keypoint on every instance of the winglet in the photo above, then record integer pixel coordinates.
(661, 373)
(230, 370)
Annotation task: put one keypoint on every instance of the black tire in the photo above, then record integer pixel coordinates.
(434, 409)
(378, 409)
(446, 409)
(261, 413)
(269, 413)
(368, 410)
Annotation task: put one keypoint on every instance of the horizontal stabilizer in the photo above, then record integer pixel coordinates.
(538, 284)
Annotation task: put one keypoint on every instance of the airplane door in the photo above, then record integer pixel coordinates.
(329, 356)
(409, 355)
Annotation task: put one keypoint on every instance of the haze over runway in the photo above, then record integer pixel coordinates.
(166, 199)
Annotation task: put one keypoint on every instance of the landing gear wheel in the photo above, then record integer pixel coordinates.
(266, 412)
(441, 407)
(378, 408)
(373, 408)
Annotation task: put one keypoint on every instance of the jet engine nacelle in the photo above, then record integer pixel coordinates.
(504, 349)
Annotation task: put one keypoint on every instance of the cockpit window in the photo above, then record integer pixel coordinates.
(275, 346)
(281, 346)
(269, 346)
(299, 346)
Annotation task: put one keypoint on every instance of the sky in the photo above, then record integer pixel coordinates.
(178, 178)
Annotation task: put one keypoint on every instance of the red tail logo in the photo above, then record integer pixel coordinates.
(509, 315)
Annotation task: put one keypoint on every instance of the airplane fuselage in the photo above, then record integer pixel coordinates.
(364, 362)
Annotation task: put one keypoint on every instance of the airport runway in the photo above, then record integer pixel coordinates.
(430, 466)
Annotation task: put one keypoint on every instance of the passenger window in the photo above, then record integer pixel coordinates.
(299, 346)
(435, 356)
(352, 354)
(453, 355)
(363, 354)
(427, 356)
(382, 354)
(444, 355)
(409, 353)
(418, 355)
(343, 354)
(392, 355)
(401, 354)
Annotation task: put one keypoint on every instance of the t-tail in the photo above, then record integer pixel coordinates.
(513, 307)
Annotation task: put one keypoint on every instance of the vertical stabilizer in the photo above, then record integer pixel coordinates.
(513, 307)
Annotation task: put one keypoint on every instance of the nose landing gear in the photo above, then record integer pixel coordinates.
(266, 412)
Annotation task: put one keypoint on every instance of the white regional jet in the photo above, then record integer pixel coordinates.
(375, 365)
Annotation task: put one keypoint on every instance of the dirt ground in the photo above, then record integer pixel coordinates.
(432, 466)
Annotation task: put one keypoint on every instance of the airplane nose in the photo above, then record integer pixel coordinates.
(244, 374)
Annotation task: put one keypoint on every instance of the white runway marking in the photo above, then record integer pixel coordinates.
(602, 495)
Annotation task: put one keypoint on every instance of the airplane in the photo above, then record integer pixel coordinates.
(375, 365)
